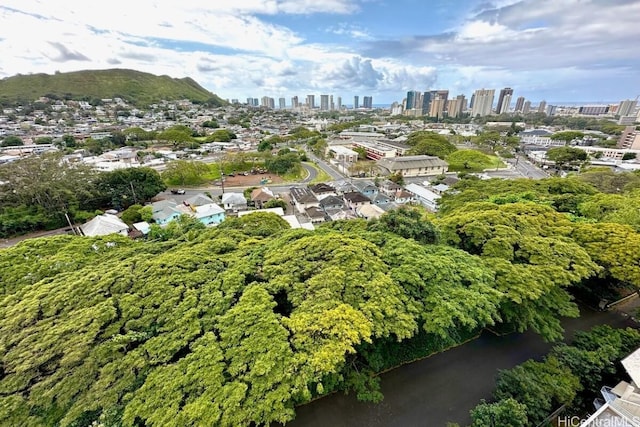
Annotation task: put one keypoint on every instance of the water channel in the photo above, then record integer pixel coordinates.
(444, 387)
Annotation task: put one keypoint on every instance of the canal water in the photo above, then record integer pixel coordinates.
(444, 387)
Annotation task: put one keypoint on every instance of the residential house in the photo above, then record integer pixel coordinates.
(165, 211)
(388, 206)
(103, 225)
(315, 214)
(198, 200)
(322, 190)
(234, 202)
(425, 197)
(389, 187)
(209, 214)
(440, 188)
(260, 196)
(303, 198)
(331, 202)
(367, 188)
(340, 214)
(342, 187)
(410, 166)
(380, 199)
(620, 405)
(355, 199)
(370, 212)
(403, 196)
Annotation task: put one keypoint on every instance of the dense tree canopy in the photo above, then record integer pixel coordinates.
(239, 323)
(430, 143)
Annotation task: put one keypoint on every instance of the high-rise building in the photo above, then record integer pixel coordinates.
(249, 101)
(356, 102)
(331, 104)
(526, 108)
(294, 102)
(519, 104)
(551, 110)
(324, 102)
(473, 98)
(267, 102)
(311, 101)
(367, 102)
(627, 107)
(425, 102)
(482, 102)
(282, 103)
(443, 94)
(339, 103)
(630, 138)
(436, 109)
(412, 100)
(456, 106)
(504, 100)
(542, 107)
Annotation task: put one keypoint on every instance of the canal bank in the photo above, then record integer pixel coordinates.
(444, 387)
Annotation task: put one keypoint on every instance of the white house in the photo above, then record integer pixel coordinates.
(426, 197)
(234, 201)
(103, 225)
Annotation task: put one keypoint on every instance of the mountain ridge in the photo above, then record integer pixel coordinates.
(137, 87)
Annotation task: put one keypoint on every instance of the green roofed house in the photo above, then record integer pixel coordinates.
(413, 166)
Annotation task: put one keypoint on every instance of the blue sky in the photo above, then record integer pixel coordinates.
(557, 50)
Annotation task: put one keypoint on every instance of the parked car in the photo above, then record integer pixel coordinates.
(177, 191)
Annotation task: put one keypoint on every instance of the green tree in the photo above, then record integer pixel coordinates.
(44, 140)
(125, 187)
(11, 141)
(132, 214)
(468, 161)
(184, 172)
(505, 413)
(410, 223)
(429, 143)
(566, 157)
(223, 135)
(69, 141)
(567, 136)
(276, 203)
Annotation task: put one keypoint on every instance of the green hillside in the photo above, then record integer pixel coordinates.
(134, 86)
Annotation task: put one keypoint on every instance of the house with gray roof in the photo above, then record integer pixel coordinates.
(303, 198)
(234, 202)
(165, 211)
(331, 202)
(410, 166)
(103, 225)
(355, 199)
(367, 188)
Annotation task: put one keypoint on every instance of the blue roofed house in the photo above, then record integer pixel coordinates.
(205, 210)
(165, 211)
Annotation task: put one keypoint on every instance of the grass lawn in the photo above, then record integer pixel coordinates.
(496, 163)
(322, 175)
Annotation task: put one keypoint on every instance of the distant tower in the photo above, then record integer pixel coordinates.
(356, 102)
(482, 102)
(294, 102)
(281, 103)
(526, 108)
(542, 107)
(504, 100)
(339, 103)
(367, 102)
(311, 101)
(324, 102)
(519, 104)
(332, 106)
(627, 107)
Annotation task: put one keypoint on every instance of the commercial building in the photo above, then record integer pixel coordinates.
(630, 138)
(482, 102)
(519, 104)
(356, 102)
(504, 100)
(324, 102)
(282, 103)
(593, 110)
(627, 107)
(413, 166)
(542, 107)
(367, 102)
(311, 101)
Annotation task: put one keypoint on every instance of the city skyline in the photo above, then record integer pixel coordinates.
(558, 51)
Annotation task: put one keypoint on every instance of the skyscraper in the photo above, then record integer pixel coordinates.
(504, 100)
(482, 102)
(331, 104)
(281, 103)
(339, 103)
(519, 104)
(356, 102)
(311, 101)
(412, 99)
(627, 107)
(456, 106)
(542, 107)
(367, 102)
(267, 102)
(526, 108)
(324, 102)
(294, 102)
(436, 109)
(473, 98)
(443, 94)
(425, 103)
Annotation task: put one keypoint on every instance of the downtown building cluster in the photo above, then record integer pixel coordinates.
(327, 103)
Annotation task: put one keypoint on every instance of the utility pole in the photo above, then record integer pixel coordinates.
(135, 199)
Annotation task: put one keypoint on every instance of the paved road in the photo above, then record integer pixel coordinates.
(527, 169)
(331, 171)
